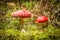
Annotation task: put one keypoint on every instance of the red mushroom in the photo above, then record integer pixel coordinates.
(42, 19)
(21, 14)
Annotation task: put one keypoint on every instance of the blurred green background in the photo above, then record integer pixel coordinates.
(9, 26)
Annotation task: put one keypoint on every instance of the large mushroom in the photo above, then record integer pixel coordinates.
(42, 20)
(21, 14)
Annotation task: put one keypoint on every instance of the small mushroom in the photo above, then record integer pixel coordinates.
(10, 4)
(41, 20)
(21, 14)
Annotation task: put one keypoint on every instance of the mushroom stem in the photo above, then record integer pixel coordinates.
(42, 25)
(22, 23)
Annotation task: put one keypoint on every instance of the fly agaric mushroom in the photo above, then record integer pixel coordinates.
(21, 14)
(42, 20)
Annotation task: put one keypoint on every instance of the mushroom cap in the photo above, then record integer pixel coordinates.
(21, 14)
(42, 19)
(26, 13)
